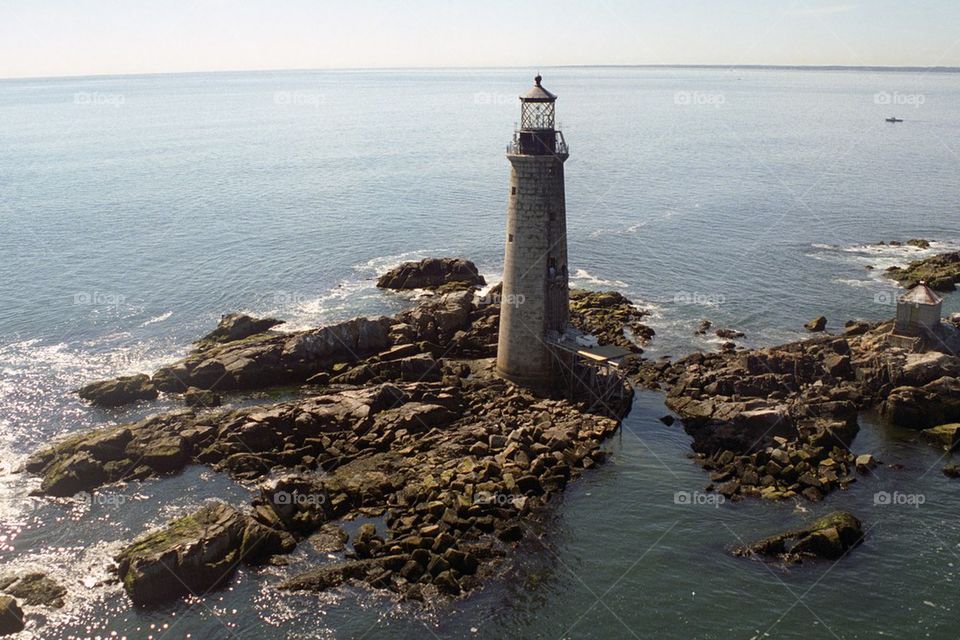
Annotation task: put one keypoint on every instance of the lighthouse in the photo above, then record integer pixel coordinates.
(534, 306)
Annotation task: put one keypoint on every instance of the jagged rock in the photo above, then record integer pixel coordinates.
(952, 470)
(838, 366)
(936, 402)
(273, 360)
(333, 575)
(131, 451)
(855, 328)
(817, 324)
(828, 537)
(729, 334)
(450, 463)
(864, 462)
(11, 616)
(945, 435)
(236, 326)
(35, 589)
(194, 553)
(919, 369)
(166, 454)
(431, 273)
(605, 315)
(202, 398)
(329, 539)
(941, 272)
(119, 391)
(920, 243)
(419, 368)
(76, 473)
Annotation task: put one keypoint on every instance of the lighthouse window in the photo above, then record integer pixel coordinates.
(509, 237)
(513, 191)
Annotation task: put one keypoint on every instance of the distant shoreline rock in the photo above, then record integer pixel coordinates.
(941, 272)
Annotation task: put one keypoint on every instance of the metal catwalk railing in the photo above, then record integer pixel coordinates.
(595, 381)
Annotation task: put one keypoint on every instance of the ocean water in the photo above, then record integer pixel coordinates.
(135, 210)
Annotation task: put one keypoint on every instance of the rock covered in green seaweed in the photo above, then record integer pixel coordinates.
(828, 537)
(941, 272)
(195, 553)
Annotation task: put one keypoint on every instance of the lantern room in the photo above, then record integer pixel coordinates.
(537, 134)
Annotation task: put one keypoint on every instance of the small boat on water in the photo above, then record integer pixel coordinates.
(894, 119)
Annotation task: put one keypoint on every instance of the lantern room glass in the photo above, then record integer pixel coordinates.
(537, 115)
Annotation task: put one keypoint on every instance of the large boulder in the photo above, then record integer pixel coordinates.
(922, 368)
(201, 398)
(132, 451)
(119, 391)
(236, 326)
(11, 616)
(934, 403)
(432, 273)
(275, 360)
(817, 324)
(194, 554)
(828, 537)
(438, 319)
(67, 477)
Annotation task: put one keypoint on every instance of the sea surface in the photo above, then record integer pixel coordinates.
(135, 210)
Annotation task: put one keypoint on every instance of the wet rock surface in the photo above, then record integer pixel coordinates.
(941, 272)
(817, 324)
(433, 273)
(120, 391)
(951, 470)
(34, 589)
(408, 425)
(11, 616)
(194, 554)
(778, 422)
(236, 326)
(609, 316)
(829, 538)
(945, 435)
(447, 467)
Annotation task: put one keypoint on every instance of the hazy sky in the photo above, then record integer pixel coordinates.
(71, 37)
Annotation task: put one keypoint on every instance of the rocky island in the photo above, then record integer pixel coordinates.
(404, 420)
(397, 418)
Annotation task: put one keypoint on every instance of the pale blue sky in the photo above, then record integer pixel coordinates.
(80, 37)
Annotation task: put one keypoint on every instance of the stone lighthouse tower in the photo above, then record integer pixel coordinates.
(534, 308)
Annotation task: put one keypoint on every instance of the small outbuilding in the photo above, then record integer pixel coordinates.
(918, 311)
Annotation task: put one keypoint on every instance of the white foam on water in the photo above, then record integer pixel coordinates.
(299, 312)
(156, 319)
(584, 276)
(881, 256)
(857, 284)
(378, 266)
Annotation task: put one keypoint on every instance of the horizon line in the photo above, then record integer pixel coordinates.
(792, 67)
